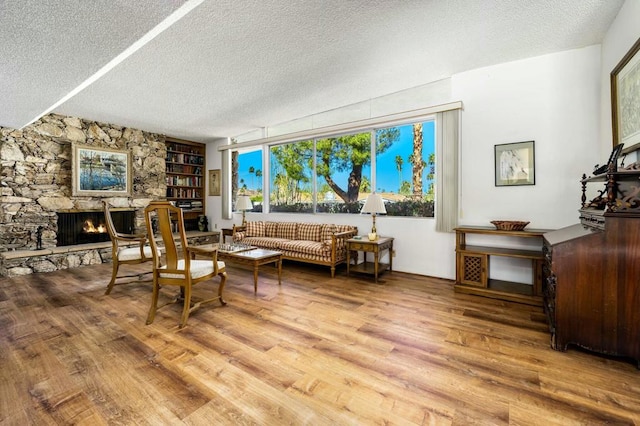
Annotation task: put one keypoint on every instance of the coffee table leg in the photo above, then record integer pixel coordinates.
(255, 277)
(279, 271)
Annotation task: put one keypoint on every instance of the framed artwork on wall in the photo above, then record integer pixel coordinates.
(515, 164)
(100, 172)
(214, 182)
(625, 98)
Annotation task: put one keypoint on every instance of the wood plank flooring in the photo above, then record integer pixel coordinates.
(314, 351)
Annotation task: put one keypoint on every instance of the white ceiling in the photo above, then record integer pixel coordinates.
(230, 66)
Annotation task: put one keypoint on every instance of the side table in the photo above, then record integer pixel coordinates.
(376, 247)
(226, 232)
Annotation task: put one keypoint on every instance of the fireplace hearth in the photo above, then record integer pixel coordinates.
(84, 227)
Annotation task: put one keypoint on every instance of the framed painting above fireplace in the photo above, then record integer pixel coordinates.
(100, 172)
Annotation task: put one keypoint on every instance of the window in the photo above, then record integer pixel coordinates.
(291, 177)
(247, 177)
(405, 168)
(343, 170)
(336, 174)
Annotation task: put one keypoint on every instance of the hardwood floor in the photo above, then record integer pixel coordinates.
(313, 351)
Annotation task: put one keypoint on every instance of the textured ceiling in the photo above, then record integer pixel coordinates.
(230, 66)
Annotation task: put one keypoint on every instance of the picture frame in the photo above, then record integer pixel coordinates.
(625, 98)
(515, 164)
(100, 172)
(214, 182)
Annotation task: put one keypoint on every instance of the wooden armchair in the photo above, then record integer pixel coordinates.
(180, 269)
(125, 254)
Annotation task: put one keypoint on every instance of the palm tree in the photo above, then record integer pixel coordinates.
(259, 176)
(399, 167)
(417, 162)
(252, 170)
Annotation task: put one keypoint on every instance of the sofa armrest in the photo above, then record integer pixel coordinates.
(341, 237)
(338, 241)
(238, 232)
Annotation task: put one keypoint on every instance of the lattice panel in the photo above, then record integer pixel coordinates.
(473, 269)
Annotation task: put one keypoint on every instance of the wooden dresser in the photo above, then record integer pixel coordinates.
(592, 270)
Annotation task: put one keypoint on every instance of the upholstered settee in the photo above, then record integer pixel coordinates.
(319, 243)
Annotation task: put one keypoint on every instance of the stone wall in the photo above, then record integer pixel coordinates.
(35, 175)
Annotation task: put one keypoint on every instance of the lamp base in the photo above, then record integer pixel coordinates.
(373, 236)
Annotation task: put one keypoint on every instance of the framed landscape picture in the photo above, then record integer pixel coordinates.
(625, 98)
(100, 172)
(515, 164)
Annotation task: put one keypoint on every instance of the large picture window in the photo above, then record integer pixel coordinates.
(336, 174)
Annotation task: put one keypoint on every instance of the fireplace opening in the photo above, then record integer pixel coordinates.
(84, 227)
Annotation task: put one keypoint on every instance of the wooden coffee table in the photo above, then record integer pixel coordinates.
(254, 257)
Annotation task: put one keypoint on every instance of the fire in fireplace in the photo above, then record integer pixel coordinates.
(83, 227)
(89, 228)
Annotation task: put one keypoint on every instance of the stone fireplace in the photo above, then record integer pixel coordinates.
(36, 188)
(84, 227)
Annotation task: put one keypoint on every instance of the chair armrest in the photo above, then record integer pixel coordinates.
(202, 251)
(210, 252)
(131, 237)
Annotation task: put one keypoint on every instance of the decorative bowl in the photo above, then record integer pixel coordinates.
(509, 225)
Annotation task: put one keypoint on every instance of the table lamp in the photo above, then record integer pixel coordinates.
(244, 203)
(373, 205)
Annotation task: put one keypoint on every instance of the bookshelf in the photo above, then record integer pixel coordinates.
(185, 178)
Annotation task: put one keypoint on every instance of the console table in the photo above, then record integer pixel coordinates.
(376, 247)
(472, 265)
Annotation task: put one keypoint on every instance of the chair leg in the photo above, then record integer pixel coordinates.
(223, 281)
(114, 274)
(187, 305)
(154, 302)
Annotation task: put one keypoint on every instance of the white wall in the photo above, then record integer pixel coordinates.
(553, 99)
(622, 34)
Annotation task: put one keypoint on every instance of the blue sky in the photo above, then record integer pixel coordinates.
(387, 173)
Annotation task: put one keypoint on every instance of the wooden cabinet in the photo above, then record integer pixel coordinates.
(592, 271)
(593, 287)
(473, 261)
(185, 178)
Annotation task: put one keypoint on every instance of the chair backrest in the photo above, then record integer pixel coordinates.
(164, 211)
(111, 229)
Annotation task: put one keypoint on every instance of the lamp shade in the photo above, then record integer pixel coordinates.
(374, 205)
(244, 203)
